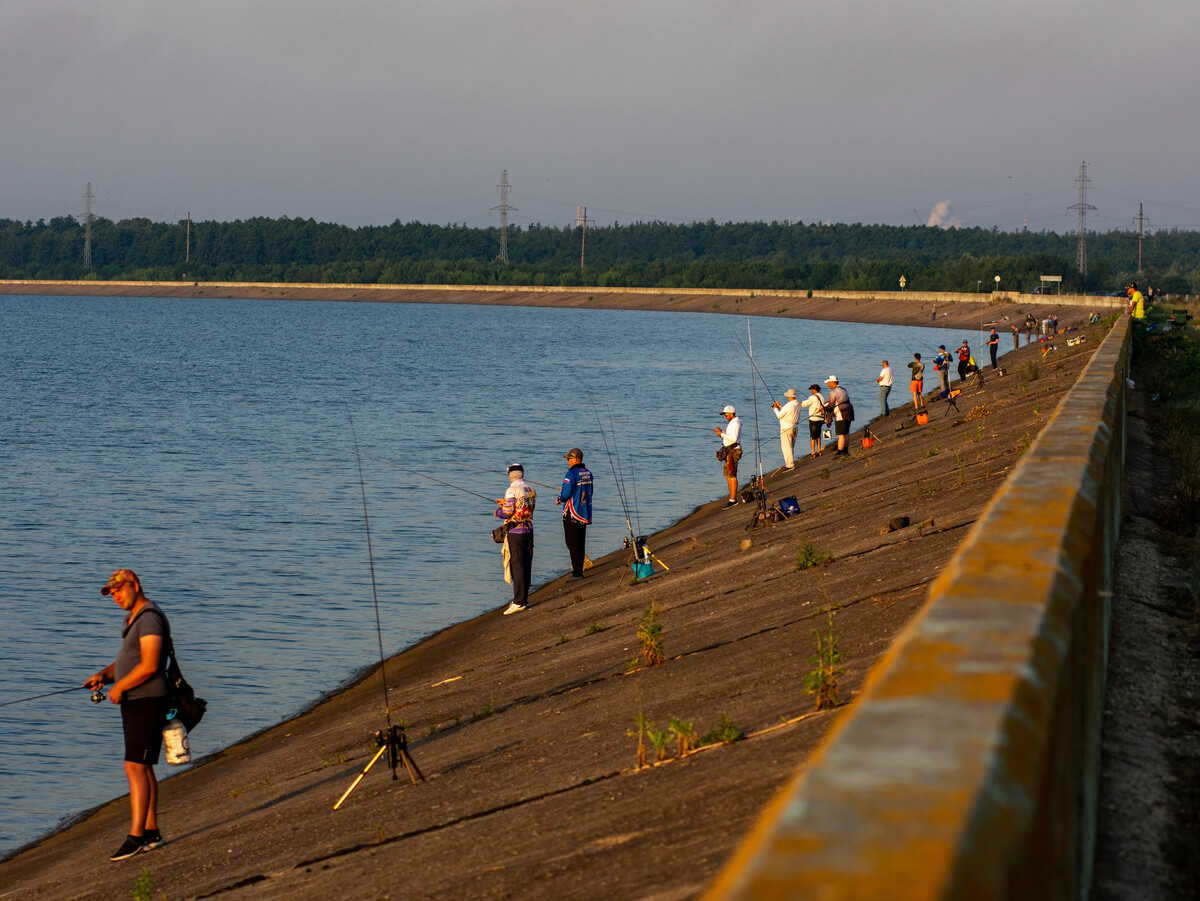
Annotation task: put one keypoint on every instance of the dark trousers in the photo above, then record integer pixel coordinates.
(993, 349)
(520, 565)
(575, 534)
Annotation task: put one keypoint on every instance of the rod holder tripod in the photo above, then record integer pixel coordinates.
(766, 511)
(395, 742)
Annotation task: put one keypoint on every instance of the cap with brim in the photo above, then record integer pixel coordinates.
(832, 378)
(791, 392)
(573, 452)
(516, 467)
(117, 579)
(729, 409)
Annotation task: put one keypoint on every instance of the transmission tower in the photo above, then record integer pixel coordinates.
(1083, 206)
(88, 197)
(504, 209)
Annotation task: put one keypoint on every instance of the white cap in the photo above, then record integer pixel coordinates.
(729, 409)
(832, 378)
(791, 392)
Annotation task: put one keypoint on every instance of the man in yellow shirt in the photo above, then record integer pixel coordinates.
(1137, 303)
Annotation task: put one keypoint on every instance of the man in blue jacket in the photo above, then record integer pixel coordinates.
(576, 501)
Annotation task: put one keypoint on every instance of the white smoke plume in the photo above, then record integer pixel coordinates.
(940, 216)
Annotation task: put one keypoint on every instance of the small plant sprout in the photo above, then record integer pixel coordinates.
(595, 628)
(807, 556)
(650, 634)
(643, 726)
(1024, 443)
(685, 736)
(658, 740)
(379, 830)
(822, 680)
(563, 639)
(724, 733)
(143, 886)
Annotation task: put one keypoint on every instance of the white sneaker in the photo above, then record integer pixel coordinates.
(514, 607)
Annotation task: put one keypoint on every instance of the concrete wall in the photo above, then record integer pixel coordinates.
(946, 297)
(968, 769)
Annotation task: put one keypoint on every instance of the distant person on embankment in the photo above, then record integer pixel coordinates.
(884, 380)
(139, 684)
(731, 451)
(1137, 303)
(576, 500)
(964, 361)
(516, 509)
(1030, 328)
(814, 404)
(843, 413)
(789, 416)
(917, 383)
(941, 365)
(993, 344)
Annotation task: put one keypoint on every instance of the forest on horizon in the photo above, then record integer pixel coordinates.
(752, 255)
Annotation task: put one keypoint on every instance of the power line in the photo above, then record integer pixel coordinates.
(504, 209)
(1083, 206)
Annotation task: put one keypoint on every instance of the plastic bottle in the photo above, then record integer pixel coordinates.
(176, 741)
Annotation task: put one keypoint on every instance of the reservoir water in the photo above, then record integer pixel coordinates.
(206, 444)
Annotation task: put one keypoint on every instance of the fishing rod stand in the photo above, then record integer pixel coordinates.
(766, 511)
(395, 741)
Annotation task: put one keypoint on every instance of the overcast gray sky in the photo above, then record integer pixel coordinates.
(368, 111)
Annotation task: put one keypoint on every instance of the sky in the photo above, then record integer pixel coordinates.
(365, 112)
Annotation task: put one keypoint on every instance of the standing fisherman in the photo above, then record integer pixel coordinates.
(516, 509)
(993, 345)
(843, 413)
(576, 501)
(788, 416)
(731, 450)
(941, 365)
(139, 684)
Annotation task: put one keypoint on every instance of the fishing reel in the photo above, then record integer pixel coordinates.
(98, 696)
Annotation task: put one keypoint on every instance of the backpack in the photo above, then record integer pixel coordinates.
(188, 708)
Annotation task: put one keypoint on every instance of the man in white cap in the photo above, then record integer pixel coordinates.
(731, 450)
(789, 416)
(843, 413)
(516, 509)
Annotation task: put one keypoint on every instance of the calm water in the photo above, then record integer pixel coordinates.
(206, 444)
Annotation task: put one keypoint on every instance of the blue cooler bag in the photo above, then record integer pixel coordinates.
(789, 506)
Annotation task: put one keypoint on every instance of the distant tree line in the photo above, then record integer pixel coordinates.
(756, 255)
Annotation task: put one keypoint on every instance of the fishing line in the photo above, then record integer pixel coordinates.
(490, 500)
(500, 472)
(371, 561)
(46, 695)
(620, 488)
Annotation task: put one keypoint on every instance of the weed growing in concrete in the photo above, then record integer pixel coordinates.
(488, 709)
(1029, 373)
(933, 451)
(267, 777)
(650, 634)
(379, 830)
(431, 730)
(631, 664)
(658, 741)
(595, 628)
(724, 733)
(807, 557)
(1037, 411)
(822, 680)
(824, 473)
(234, 792)
(685, 736)
(332, 759)
(642, 725)
(1024, 444)
(563, 639)
(143, 886)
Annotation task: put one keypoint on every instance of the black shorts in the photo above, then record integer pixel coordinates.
(841, 427)
(143, 720)
(814, 428)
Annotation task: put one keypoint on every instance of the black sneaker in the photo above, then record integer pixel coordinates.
(152, 839)
(130, 847)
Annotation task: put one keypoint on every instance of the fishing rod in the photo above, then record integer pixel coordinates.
(612, 465)
(753, 368)
(500, 472)
(48, 694)
(754, 397)
(395, 740)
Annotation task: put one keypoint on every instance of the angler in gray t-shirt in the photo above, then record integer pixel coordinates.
(139, 685)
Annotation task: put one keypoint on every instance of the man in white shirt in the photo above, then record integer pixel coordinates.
(789, 417)
(731, 450)
(815, 405)
(885, 388)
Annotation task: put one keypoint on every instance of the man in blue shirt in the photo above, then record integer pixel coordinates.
(576, 501)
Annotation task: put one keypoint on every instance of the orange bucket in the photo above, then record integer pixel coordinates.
(868, 442)
(923, 418)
